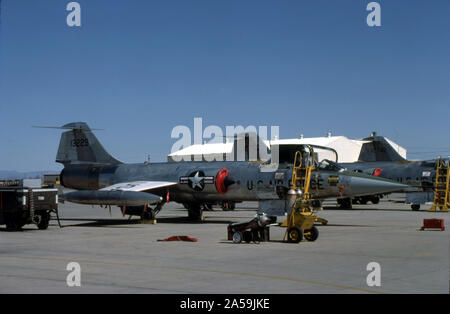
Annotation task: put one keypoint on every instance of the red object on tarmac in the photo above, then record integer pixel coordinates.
(433, 224)
(180, 238)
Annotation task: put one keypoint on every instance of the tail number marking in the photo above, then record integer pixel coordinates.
(80, 142)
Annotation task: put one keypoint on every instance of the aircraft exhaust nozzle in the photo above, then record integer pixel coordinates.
(119, 198)
(368, 185)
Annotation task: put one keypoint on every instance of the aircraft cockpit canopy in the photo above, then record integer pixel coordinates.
(329, 165)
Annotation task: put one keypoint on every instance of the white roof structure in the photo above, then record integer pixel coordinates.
(205, 149)
(199, 152)
(400, 150)
(348, 150)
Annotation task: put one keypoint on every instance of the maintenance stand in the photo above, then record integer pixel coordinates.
(301, 219)
(442, 187)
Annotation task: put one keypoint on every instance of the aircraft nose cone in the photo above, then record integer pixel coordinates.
(369, 185)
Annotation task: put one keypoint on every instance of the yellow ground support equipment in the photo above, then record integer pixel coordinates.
(301, 219)
(442, 184)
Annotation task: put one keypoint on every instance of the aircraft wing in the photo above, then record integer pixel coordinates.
(138, 186)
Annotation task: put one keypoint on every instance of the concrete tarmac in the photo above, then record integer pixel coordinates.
(121, 256)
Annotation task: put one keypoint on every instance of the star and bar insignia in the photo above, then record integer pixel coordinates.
(197, 180)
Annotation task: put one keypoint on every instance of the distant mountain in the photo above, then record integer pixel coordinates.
(11, 175)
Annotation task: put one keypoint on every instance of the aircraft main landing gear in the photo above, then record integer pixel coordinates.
(345, 203)
(195, 212)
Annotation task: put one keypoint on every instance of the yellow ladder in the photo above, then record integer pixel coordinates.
(301, 176)
(442, 184)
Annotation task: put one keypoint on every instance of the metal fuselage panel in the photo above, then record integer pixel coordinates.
(418, 175)
(248, 182)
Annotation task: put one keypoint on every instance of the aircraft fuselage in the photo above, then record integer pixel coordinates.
(201, 182)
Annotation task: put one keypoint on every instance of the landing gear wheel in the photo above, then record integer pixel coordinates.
(148, 215)
(237, 237)
(294, 235)
(345, 203)
(316, 204)
(312, 234)
(375, 200)
(195, 212)
(248, 236)
(415, 207)
(228, 206)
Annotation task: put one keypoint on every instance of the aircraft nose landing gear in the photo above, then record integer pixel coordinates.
(149, 214)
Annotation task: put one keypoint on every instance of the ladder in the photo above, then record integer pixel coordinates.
(301, 174)
(441, 187)
(301, 213)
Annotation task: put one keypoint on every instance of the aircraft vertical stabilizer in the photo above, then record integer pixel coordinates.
(380, 148)
(81, 146)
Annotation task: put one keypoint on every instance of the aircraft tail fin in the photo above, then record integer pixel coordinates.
(79, 145)
(378, 148)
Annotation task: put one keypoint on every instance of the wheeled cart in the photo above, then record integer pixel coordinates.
(301, 225)
(26, 202)
(255, 230)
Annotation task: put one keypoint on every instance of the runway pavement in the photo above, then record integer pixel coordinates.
(121, 256)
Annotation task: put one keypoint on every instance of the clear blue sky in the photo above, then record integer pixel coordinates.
(138, 68)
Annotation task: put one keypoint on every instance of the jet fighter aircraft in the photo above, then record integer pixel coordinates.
(420, 176)
(142, 189)
(380, 159)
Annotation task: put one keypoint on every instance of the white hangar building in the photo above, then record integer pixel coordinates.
(373, 148)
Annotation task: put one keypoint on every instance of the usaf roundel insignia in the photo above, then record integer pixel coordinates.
(197, 180)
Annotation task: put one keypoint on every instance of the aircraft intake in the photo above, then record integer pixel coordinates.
(223, 181)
